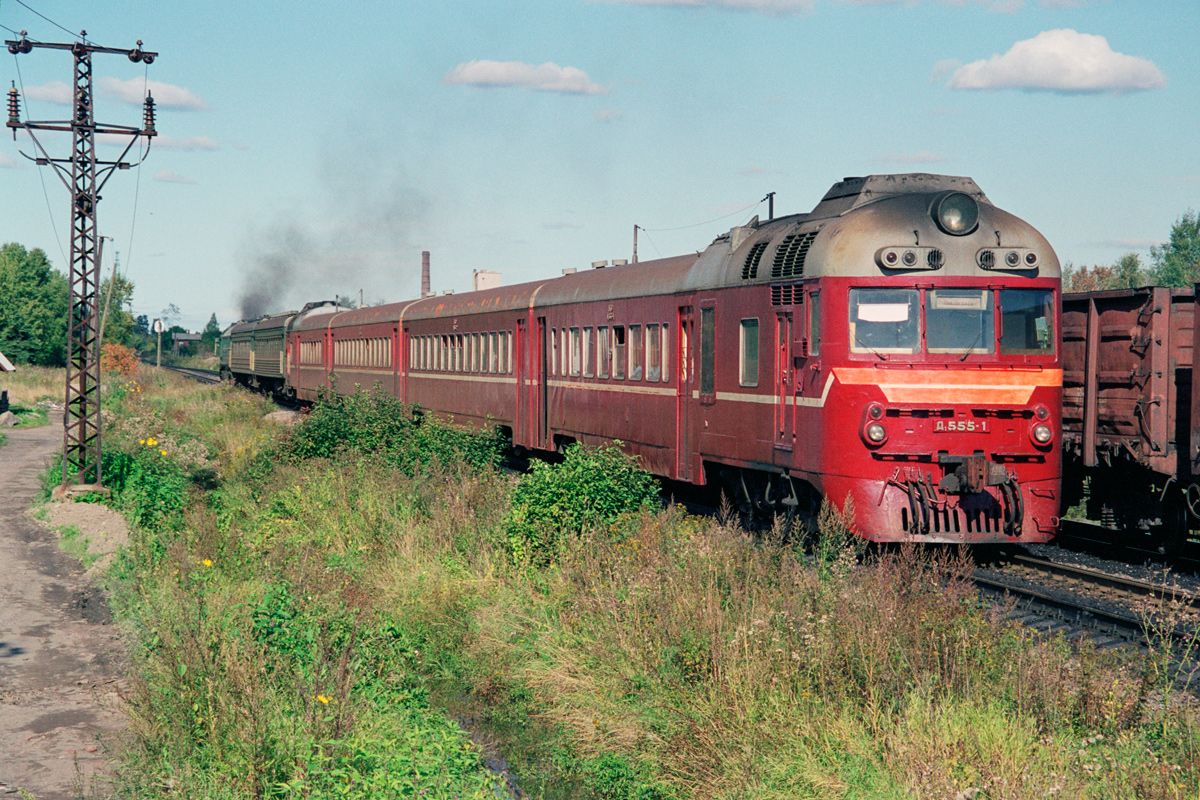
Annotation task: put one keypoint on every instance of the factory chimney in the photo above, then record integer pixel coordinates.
(425, 273)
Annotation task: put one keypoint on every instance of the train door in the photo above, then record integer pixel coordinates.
(785, 404)
(400, 345)
(521, 428)
(683, 395)
(540, 358)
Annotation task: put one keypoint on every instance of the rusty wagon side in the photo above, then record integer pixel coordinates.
(1130, 421)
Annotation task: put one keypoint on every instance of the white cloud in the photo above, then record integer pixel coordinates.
(186, 143)
(6, 162)
(166, 95)
(1061, 61)
(55, 92)
(919, 157)
(166, 176)
(545, 78)
(609, 115)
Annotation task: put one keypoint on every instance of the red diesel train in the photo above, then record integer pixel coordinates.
(896, 347)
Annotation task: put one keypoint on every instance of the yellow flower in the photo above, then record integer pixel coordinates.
(141, 441)
(164, 452)
(207, 562)
(152, 442)
(323, 698)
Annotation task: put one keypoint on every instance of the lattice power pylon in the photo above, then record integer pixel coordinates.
(84, 177)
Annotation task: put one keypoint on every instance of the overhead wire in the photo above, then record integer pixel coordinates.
(137, 183)
(41, 174)
(43, 16)
(648, 231)
(706, 222)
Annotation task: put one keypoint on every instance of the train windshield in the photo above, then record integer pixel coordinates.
(885, 320)
(1027, 322)
(960, 321)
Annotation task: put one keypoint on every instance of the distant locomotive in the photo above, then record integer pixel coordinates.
(895, 348)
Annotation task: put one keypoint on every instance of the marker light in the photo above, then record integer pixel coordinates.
(876, 433)
(956, 213)
(1041, 434)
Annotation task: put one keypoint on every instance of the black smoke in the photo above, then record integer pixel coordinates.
(355, 233)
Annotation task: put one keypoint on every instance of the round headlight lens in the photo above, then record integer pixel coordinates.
(956, 213)
(876, 433)
(1042, 434)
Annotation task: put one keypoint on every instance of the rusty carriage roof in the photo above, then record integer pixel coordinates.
(659, 277)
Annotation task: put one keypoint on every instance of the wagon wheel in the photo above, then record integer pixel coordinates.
(1172, 535)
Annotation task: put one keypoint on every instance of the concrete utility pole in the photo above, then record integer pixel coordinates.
(84, 178)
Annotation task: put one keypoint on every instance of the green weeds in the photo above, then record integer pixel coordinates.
(312, 615)
(590, 490)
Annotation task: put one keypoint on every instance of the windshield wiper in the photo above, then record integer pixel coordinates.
(867, 347)
(974, 342)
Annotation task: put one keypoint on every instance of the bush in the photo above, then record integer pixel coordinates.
(147, 485)
(375, 423)
(590, 489)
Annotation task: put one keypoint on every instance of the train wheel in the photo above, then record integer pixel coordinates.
(1172, 535)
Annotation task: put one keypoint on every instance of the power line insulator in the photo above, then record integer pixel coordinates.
(148, 116)
(14, 107)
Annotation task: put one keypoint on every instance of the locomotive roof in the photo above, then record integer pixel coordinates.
(888, 210)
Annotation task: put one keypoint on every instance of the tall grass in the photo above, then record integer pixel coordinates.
(325, 601)
(29, 385)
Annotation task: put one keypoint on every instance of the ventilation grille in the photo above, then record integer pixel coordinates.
(786, 295)
(935, 259)
(955, 520)
(750, 268)
(987, 259)
(789, 256)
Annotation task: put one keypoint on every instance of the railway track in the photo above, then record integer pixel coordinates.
(201, 375)
(1081, 602)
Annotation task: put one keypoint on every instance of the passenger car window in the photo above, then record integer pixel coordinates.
(708, 350)
(749, 350)
(619, 352)
(635, 352)
(653, 353)
(603, 351)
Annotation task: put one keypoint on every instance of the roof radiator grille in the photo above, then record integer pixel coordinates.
(790, 255)
(750, 268)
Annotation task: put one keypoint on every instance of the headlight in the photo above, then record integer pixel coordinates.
(956, 213)
(1042, 434)
(876, 433)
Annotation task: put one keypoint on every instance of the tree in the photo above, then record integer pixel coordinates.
(1125, 274)
(142, 325)
(212, 332)
(33, 307)
(1177, 262)
(119, 327)
(170, 315)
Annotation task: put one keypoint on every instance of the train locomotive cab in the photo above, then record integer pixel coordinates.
(940, 374)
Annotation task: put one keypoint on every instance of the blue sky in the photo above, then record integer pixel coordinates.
(325, 146)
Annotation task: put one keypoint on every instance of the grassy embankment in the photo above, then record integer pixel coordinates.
(311, 607)
(29, 390)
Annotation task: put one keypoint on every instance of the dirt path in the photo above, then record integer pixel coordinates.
(60, 657)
